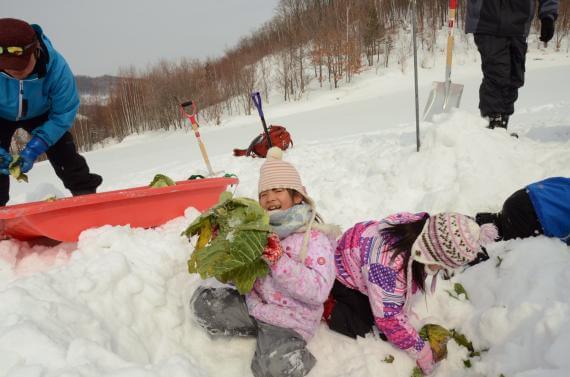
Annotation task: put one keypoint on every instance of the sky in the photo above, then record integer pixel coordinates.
(98, 37)
(115, 303)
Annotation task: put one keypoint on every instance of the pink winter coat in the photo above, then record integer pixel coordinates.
(364, 262)
(293, 293)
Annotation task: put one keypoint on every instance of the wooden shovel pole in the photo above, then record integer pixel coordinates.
(194, 124)
(450, 42)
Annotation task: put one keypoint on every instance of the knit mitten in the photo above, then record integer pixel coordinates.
(425, 360)
(273, 250)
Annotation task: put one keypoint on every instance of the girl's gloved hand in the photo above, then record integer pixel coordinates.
(425, 360)
(273, 250)
(5, 160)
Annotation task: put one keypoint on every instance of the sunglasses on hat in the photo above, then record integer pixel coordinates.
(16, 50)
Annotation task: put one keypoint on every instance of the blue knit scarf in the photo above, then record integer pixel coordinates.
(290, 220)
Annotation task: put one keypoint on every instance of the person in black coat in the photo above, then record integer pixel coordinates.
(500, 30)
(540, 208)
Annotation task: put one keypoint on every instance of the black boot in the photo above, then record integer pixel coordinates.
(498, 121)
(486, 217)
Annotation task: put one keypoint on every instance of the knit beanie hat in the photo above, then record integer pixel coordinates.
(276, 173)
(451, 240)
(16, 33)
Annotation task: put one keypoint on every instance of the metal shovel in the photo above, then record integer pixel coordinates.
(445, 95)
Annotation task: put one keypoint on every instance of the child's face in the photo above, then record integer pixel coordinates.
(279, 198)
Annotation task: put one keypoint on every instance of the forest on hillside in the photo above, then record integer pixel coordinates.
(327, 41)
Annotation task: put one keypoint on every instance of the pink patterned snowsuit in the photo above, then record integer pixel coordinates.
(364, 263)
(293, 293)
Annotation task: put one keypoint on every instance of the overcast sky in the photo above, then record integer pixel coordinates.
(98, 36)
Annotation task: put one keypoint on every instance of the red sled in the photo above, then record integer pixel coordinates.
(145, 207)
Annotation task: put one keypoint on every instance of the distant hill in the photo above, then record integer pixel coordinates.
(97, 86)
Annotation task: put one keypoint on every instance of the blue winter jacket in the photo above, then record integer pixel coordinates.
(551, 201)
(51, 91)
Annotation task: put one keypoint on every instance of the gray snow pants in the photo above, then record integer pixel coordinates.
(279, 352)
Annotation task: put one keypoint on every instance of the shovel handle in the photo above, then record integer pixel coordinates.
(194, 124)
(256, 98)
(450, 39)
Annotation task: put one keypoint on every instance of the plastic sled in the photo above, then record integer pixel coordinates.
(146, 207)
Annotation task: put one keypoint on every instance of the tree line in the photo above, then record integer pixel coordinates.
(329, 41)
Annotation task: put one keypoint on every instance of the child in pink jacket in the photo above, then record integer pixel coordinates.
(380, 264)
(284, 308)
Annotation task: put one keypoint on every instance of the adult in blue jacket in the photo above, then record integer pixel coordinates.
(38, 94)
(500, 30)
(540, 208)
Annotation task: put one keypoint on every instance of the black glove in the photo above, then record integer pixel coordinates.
(546, 29)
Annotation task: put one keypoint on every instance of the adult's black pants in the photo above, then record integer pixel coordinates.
(69, 165)
(503, 66)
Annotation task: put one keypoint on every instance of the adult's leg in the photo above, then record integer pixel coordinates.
(517, 48)
(280, 352)
(71, 167)
(496, 66)
(7, 129)
(222, 311)
(67, 163)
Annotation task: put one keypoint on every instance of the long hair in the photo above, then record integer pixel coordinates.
(404, 236)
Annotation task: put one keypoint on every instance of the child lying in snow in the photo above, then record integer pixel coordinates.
(284, 308)
(540, 208)
(381, 263)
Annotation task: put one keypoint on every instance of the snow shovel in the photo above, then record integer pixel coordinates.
(256, 97)
(192, 118)
(445, 95)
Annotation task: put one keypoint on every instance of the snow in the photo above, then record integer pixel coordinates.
(116, 302)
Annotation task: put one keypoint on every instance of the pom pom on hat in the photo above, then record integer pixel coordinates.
(274, 153)
(489, 233)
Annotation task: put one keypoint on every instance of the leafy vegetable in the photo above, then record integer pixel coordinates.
(459, 290)
(15, 169)
(417, 372)
(389, 359)
(499, 261)
(231, 239)
(161, 180)
(437, 336)
(462, 340)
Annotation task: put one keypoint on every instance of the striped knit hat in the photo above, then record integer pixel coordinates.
(276, 173)
(451, 240)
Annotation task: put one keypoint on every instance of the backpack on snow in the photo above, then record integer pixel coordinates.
(279, 135)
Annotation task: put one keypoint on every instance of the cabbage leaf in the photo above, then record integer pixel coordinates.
(231, 239)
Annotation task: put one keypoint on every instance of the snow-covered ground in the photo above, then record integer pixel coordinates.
(116, 303)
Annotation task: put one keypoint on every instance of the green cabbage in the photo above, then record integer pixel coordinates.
(231, 239)
(161, 180)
